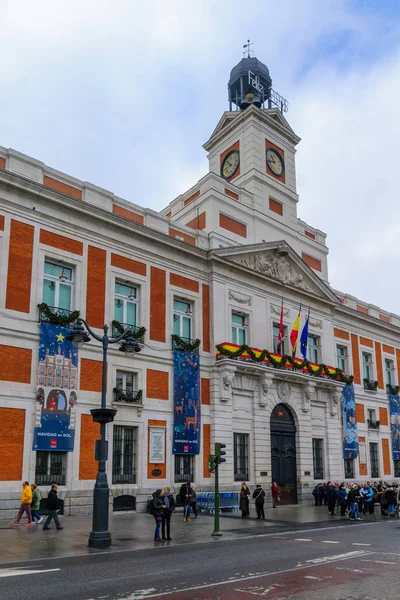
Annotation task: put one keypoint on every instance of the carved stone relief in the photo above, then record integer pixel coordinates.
(316, 323)
(227, 377)
(266, 381)
(309, 395)
(276, 310)
(240, 298)
(335, 395)
(283, 391)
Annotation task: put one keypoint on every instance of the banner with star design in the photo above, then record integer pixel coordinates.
(394, 400)
(350, 434)
(56, 398)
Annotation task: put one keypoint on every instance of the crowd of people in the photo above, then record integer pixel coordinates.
(163, 504)
(30, 504)
(354, 499)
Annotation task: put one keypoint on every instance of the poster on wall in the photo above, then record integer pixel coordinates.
(187, 407)
(362, 449)
(394, 400)
(157, 446)
(57, 381)
(350, 432)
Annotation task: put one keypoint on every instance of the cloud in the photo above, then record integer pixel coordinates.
(124, 94)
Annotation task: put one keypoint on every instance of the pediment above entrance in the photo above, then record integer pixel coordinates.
(279, 262)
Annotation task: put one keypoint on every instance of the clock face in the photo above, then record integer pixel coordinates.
(230, 164)
(275, 162)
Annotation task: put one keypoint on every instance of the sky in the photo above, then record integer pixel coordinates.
(124, 93)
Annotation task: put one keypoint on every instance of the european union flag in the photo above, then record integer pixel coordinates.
(304, 340)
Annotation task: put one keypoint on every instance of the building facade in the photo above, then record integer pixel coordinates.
(217, 264)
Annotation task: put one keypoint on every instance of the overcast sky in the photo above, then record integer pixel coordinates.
(124, 93)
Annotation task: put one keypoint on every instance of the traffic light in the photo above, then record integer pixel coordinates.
(220, 453)
(212, 463)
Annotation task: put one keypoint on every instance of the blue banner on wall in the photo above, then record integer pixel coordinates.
(394, 400)
(350, 432)
(187, 407)
(57, 382)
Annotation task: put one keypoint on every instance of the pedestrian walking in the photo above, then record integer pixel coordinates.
(259, 497)
(36, 497)
(332, 497)
(368, 498)
(193, 503)
(315, 493)
(157, 509)
(186, 493)
(169, 503)
(342, 498)
(52, 501)
(26, 501)
(244, 500)
(353, 498)
(275, 494)
(391, 500)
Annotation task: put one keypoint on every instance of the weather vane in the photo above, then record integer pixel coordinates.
(249, 51)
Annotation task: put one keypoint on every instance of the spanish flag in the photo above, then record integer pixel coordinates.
(294, 334)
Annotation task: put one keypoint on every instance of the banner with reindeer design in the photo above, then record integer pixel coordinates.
(56, 397)
(187, 407)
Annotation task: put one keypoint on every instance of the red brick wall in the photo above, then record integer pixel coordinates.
(15, 364)
(90, 375)
(206, 318)
(339, 333)
(379, 365)
(189, 239)
(198, 222)
(128, 264)
(362, 309)
(157, 384)
(62, 187)
(128, 214)
(309, 234)
(312, 262)
(206, 448)
(360, 413)
(2, 222)
(366, 342)
(19, 278)
(356, 358)
(231, 194)
(388, 349)
(383, 416)
(205, 391)
(157, 304)
(276, 207)
(2, 163)
(184, 282)
(90, 432)
(96, 287)
(384, 318)
(191, 198)
(12, 430)
(60, 242)
(386, 457)
(232, 225)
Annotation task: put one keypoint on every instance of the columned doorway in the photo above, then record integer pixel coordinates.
(283, 453)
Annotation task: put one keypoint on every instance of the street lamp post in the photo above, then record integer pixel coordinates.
(100, 537)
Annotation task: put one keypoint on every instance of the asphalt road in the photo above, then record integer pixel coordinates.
(350, 561)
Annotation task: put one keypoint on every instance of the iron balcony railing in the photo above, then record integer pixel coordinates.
(185, 344)
(118, 329)
(373, 424)
(62, 312)
(44, 478)
(128, 396)
(369, 385)
(124, 478)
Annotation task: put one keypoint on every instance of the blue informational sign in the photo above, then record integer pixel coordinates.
(187, 407)
(394, 400)
(350, 432)
(57, 382)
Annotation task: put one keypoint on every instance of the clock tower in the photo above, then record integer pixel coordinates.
(250, 195)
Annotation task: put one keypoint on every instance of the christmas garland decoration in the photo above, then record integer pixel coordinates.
(57, 318)
(180, 344)
(392, 389)
(279, 361)
(373, 424)
(136, 334)
(372, 386)
(129, 398)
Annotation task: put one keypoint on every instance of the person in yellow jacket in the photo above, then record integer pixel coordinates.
(26, 501)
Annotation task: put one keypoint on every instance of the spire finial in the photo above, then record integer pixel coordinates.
(248, 50)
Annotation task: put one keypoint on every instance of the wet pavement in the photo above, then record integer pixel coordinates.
(133, 531)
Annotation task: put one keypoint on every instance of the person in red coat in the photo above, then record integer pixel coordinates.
(275, 494)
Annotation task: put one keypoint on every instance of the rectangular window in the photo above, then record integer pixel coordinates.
(318, 458)
(183, 319)
(341, 357)
(126, 383)
(124, 454)
(396, 468)
(367, 365)
(389, 371)
(126, 301)
(371, 415)
(239, 329)
(374, 458)
(313, 346)
(283, 342)
(241, 456)
(50, 468)
(57, 286)
(348, 468)
(183, 468)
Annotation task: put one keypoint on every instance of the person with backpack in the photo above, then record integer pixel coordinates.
(35, 504)
(156, 509)
(168, 501)
(259, 497)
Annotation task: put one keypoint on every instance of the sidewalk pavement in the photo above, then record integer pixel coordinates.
(135, 531)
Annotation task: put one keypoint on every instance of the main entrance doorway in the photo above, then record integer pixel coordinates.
(283, 453)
